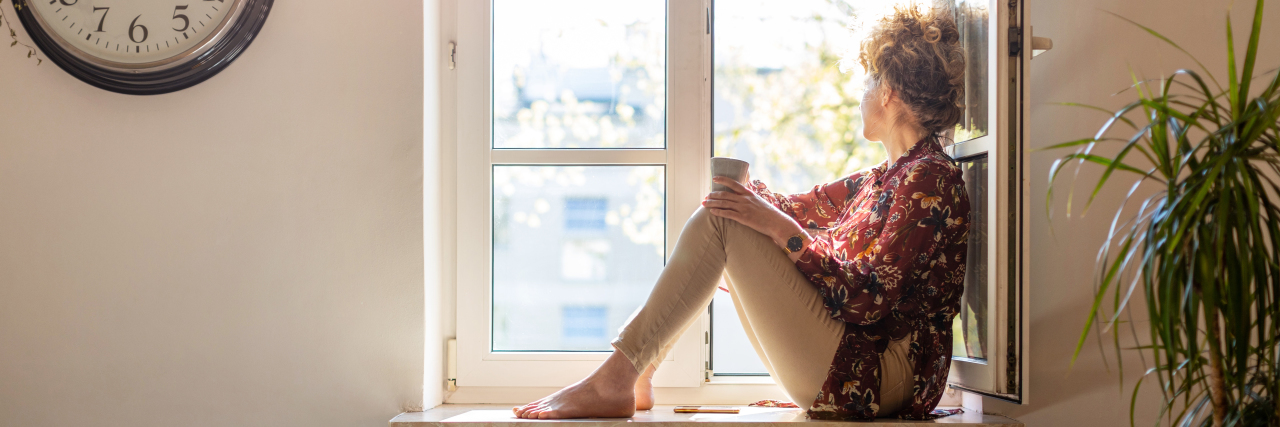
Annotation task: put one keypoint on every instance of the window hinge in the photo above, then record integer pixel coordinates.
(453, 52)
(1015, 41)
(706, 363)
(451, 356)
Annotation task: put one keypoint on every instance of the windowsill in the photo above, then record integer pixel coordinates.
(741, 379)
(664, 416)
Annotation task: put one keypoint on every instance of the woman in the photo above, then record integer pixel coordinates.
(853, 323)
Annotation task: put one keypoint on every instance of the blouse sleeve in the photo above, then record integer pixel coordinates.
(818, 208)
(862, 285)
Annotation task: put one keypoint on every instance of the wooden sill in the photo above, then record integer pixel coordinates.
(664, 416)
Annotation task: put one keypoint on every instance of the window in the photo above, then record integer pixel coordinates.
(587, 213)
(585, 130)
(565, 246)
(566, 147)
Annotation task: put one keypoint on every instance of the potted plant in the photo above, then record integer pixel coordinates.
(1202, 251)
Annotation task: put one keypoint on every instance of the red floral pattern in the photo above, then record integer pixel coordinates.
(890, 265)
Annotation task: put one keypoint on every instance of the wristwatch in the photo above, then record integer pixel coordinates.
(794, 243)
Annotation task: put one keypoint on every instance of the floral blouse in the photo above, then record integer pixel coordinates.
(891, 265)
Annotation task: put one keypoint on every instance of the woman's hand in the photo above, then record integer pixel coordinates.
(746, 207)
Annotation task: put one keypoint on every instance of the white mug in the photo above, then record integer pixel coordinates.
(728, 167)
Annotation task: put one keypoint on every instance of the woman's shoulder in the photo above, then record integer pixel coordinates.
(935, 168)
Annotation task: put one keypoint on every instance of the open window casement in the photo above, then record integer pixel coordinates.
(989, 355)
(570, 159)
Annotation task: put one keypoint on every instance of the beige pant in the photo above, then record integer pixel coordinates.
(780, 310)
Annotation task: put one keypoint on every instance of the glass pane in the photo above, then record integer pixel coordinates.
(971, 19)
(576, 249)
(579, 74)
(731, 351)
(780, 99)
(969, 330)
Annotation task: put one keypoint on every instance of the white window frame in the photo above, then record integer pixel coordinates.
(687, 108)
(1003, 373)
(485, 376)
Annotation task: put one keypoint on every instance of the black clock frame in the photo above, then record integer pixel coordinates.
(227, 49)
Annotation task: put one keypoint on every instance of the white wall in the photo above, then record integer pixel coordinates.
(245, 252)
(1090, 59)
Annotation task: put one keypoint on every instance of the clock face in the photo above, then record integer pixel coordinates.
(134, 32)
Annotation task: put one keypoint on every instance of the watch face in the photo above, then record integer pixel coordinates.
(142, 47)
(795, 243)
(133, 33)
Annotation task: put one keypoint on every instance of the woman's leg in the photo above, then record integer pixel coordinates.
(768, 283)
(783, 316)
(683, 290)
(789, 328)
(896, 380)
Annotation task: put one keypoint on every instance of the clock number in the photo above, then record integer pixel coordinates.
(105, 10)
(133, 26)
(64, 2)
(186, 23)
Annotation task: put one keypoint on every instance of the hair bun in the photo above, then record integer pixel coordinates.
(918, 54)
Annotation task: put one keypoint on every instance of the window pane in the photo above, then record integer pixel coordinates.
(971, 19)
(576, 249)
(781, 103)
(579, 74)
(780, 99)
(969, 330)
(731, 351)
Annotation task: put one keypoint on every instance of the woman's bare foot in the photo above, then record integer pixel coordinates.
(644, 390)
(609, 392)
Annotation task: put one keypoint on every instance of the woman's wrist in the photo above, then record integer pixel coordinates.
(787, 232)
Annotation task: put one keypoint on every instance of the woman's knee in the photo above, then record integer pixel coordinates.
(702, 219)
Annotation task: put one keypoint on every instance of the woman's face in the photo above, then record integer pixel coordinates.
(873, 114)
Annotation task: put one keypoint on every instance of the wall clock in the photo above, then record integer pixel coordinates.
(142, 47)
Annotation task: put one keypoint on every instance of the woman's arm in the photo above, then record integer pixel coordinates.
(818, 208)
(749, 208)
(862, 286)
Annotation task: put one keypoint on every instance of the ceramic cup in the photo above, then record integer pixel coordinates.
(728, 167)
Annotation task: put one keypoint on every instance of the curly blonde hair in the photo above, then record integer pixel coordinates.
(918, 54)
